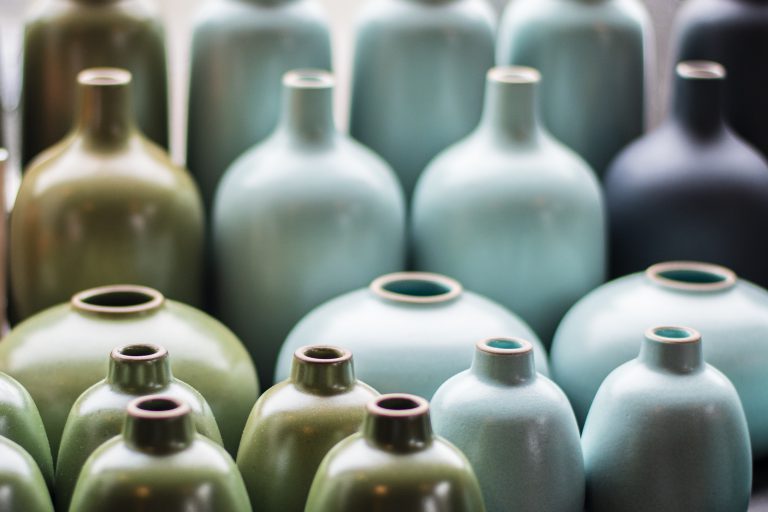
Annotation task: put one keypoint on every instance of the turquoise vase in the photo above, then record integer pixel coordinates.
(418, 78)
(595, 56)
(23, 486)
(667, 433)
(511, 212)
(305, 216)
(517, 429)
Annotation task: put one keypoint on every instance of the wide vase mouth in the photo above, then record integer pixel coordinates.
(119, 299)
(398, 405)
(505, 346)
(323, 354)
(691, 276)
(139, 352)
(673, 335)
(416, 288)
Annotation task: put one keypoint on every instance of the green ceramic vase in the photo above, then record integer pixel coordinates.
(98, 414)
(667, 433)
(517, 429)
(60, 353)
(294, 425)
(22, 483)
(395, 464)
(107, 202)
(158, 464)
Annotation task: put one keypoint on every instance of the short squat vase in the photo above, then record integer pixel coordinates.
(61, 352)
(517, 429)
(159, 463)
(98, 414)
(418, 78)
(299, 219)
(294, 425)
(667, 433)
(600, 52)
(104, 206)
(512, 213)
(395, 464)
(24, 488)
(409, 331)
(684, 190)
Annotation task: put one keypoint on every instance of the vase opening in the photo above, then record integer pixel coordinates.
(673, 335)
(416, 287)
(399, 405)
(691, 276)
(308, 79)
(118, 299)
(323, 354)
(505, 346)
(701, 70)
(139, 352)
(514, 75)
(104, 77)
(158, 407)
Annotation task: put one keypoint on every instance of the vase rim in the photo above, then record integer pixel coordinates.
(158, 407)
(105, 77)
(514, 75)
(318, 354)
(673, 335)
(398, 405)
(701, 70)
(416, 287)
(139, 352)
(145, 299)
(309, 78)
(503, 345)
(692, 276)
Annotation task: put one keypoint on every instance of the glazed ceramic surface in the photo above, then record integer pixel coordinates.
(305, 216)
(395, 464)
(517, 429)
(595, 57)
(4, 156)
(22, 483)
(667, 433)
(512, 213)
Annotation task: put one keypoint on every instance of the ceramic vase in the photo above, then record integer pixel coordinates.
(24, 487)
(60, 353)
(684, 190)
(397, 325)
(160, 463)
(98, 414)
(516, 428)
(667, 433)
(294, 425)
(4, 158)
(107, 202)
(512, 213)
(396, 463)
(305, 216)
(595, 57)
(240, 51)
(64, 37)
(418, 78)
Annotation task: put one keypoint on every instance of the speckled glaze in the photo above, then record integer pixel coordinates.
(396, 453)
(667, 433)
(399, 324)
(294, 425)
(516, 428)
(98, 414)
(24, 487)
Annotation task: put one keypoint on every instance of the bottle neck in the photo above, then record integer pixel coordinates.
(507, 361)
(105, 117)
(674, 349)
(398, 423)
(158, 425)
(511, 113)
(307, 112)
(699, 98)
(323, 370)
(139, 369)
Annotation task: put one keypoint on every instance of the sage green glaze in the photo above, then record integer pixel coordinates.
(64, 37)
(667, 433)
(98, 414)
(517, 429)
(595, 57)
(511, 212)
(294, 425)
(104, 206)
(299, 219)
(23, 485)
(159, 463)
(395, 464)
(60, 353)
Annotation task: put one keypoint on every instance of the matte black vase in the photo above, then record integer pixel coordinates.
(691, 189)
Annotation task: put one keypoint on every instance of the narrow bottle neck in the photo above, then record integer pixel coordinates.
(159, 431)
(307, 112)
(139, 374)
(511, 112)
(323, 370)
(673, 355)
(105, 112)
(699, 101)
(504, 368)
(398, 430)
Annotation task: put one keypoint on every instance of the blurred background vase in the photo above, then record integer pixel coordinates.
(23, 485)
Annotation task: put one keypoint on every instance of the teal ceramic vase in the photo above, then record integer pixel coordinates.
(595, 56)
(61, 352)
(240, 50)
(301, 218)
(98, 414)
(512, 213)
(294, 425)
(159, 463)
(667, 433)
(409, 331)
(517, 429)
(22, 483)
(395, 464)
(418, 78)
(600, 332)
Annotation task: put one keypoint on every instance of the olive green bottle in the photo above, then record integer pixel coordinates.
(23, 487)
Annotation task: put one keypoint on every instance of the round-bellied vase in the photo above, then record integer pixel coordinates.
(24, 488)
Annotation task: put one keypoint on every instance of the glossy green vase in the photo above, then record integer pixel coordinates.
(667, 433)
(98, 414)
(511, 212)
(517, 429)
(299, 219)
(64, 37)
(60, 353)
(23, 485)
(395, 464)
(104, 206)
(595, 56)
(294, 425)
(159, 463)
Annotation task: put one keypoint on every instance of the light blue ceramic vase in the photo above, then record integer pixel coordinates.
(511, 212)
(23, 486)
(418, 78)
(667, 433)
(305, 216)
(517, 429)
